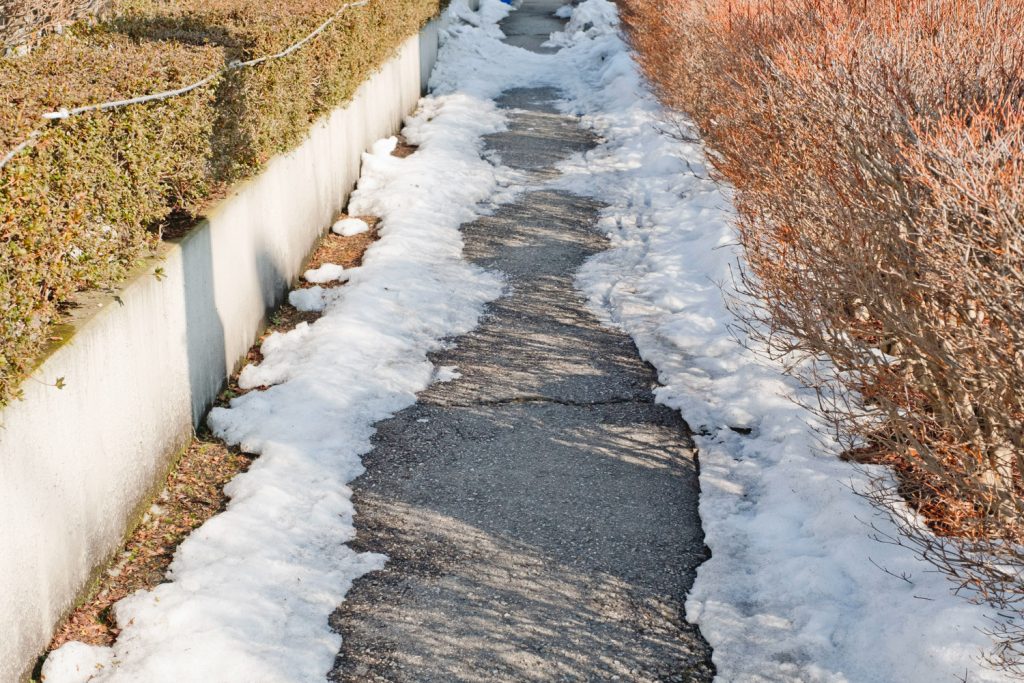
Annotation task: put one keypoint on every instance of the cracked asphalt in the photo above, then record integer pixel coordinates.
(540, 511)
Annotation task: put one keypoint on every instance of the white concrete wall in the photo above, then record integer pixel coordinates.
(428, 52)
(77, 464)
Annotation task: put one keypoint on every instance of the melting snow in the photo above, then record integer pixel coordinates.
(792, 590)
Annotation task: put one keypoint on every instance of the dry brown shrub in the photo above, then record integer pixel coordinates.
(878, 153)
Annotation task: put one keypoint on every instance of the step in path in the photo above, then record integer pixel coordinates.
(540, 511)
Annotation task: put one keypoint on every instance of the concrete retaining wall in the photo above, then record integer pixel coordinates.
(79, 464)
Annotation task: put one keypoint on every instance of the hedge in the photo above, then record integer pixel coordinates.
(80, 208)
(24, 22)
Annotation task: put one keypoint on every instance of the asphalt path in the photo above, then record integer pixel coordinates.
(540, 511)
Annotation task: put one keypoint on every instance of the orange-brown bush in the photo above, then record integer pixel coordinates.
(877, 149)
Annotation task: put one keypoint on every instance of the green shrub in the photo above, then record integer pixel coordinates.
(79, 208)
(23, 22)
(74, 210)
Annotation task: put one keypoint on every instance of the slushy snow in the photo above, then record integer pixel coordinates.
(793, 590)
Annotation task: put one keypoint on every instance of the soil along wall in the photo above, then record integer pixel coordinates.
(105, 415)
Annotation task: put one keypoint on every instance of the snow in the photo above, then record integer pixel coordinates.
(310, 299)
(251, 591)
(77, 663)
(348, 227)
(793, 590)
(447, 373)
(328, 272)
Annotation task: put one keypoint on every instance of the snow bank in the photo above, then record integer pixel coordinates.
(251, 590)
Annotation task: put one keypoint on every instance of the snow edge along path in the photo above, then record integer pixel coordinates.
(793, 590)
(252, 589)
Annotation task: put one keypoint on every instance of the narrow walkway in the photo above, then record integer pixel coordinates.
(540, 512)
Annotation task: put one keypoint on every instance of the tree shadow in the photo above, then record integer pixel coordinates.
(540, 512)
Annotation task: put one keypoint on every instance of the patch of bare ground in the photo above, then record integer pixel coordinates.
(345, 251)
(195, 486)
(193, 494)
(404, 149)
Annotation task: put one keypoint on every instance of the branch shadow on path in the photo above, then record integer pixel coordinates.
(540, 511)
